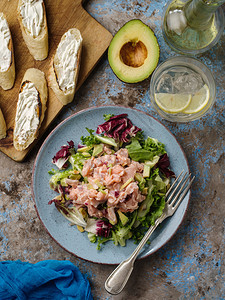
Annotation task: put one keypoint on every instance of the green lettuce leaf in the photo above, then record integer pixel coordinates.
(145, 151)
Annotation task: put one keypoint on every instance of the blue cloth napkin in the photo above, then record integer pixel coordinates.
(49, 279)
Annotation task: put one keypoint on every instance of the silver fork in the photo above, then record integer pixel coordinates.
(117, 280)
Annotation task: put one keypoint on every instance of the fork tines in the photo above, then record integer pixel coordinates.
(183, 184)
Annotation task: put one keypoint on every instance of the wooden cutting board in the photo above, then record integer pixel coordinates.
(61, 15)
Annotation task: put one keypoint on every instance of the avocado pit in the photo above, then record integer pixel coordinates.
(133, 54)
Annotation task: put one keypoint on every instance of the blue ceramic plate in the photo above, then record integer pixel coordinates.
(58, 227)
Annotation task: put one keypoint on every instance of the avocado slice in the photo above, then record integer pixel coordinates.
(106, 140)
(84, 149)
(146, 172)
(123, 218)
(97, 149)
(133, 53)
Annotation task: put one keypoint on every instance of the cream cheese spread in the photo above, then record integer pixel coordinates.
(65, 61)
(27, 116)
(5, 53)
(32, 16)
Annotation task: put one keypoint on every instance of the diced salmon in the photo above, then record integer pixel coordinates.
(132, 188)
(72, 182)
(92, 193)
(105, 160)
(92, 183)
(88, 167)
(117, 169)
(107, 150)
(129, 173)
(110, 179)
(102, 196)
(108, 172)
(100, 173)
(122, 157)
(94, 212)
(139, 166)
(111, 215)
(113, 198)
(128, 206)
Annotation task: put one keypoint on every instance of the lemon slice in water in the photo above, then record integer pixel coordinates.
(172, 103)
(199, 101)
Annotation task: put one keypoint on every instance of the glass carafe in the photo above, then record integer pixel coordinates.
(193, 26)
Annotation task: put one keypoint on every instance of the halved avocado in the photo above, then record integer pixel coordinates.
(133, 53)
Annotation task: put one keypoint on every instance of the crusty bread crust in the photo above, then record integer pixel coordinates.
(7, 78)
(37, 46)
(2, 126)
(38, 79)
(66, 97)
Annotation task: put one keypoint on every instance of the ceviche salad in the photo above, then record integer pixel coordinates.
(113, 184)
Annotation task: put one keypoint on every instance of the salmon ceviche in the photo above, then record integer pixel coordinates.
(112, 185)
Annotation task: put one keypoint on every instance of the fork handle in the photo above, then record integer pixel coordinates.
(117, 280)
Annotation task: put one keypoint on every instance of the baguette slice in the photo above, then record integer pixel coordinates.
(65, 66)
(31, 108)
(2, 126)
(7, 63)
(35, 36)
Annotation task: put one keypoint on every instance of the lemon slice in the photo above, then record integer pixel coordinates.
(172, 103)
(199, 101)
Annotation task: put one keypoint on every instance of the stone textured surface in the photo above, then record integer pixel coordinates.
(191, 265)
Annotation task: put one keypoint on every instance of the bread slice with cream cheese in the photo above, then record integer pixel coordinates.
(2, 126)
(65, 66)
(33, 24)
(7, 64)
(31, 106)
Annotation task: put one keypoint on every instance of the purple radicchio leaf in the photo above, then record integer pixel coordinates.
(103, 228)
(118, 127)
(111, 123)
(98, 227)
(60, 190)
(80, 146)
(61, 157)
(163, 165)
(60, 199)
(56, 201)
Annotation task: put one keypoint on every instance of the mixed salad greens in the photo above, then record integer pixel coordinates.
(116, 133)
